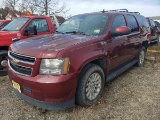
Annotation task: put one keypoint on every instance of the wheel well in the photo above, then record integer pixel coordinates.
(101, 62)
(4, 48)
(145, 44)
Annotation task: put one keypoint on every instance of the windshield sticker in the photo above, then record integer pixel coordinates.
(66, 22)
(97, 31)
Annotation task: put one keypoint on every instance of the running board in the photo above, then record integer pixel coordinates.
(120, 70)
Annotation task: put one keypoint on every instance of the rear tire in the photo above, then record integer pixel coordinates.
(3, 59)
(141, 57)
(90, 85)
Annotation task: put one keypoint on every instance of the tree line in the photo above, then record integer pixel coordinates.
(42, 7)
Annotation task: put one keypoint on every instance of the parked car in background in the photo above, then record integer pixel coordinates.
(3, 23)
(158, 26)
(21, 28)
(57, 71)
(154, 31)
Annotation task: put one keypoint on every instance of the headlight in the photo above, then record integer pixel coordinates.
(54, 66)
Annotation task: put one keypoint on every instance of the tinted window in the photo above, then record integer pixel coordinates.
(119, 20)
(132, 23)
(152, 23)
(143, 21)
(40, 23)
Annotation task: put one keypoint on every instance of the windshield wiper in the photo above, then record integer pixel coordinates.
(4, 30)
(59, 32)
(76, 32)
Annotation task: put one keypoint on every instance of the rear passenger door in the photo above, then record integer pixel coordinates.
(135, 37)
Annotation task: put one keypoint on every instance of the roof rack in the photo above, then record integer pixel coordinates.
(135, 12)
(119, 10)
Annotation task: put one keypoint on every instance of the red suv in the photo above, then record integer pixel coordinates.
(72, 66)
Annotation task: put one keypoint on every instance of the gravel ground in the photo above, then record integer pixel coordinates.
(135, 95)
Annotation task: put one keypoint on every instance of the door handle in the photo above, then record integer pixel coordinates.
(103, 43)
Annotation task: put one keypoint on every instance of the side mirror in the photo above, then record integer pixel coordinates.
(123, 30)
(31, 30)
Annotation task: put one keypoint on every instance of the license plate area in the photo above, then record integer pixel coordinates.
(16, 86)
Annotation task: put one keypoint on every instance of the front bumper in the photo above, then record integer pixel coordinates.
(46, 91)
(47, 105)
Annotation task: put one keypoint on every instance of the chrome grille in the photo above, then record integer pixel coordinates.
(22, 58)
(20, 69)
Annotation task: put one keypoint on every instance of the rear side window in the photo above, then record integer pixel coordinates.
(132, 23)
(142, 21)
(119, 20)
(152, 23)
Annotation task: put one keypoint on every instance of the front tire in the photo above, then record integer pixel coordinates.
(90, 85)
(3, 63)
(141, 57)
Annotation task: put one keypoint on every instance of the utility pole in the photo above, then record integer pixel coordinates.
(46, 7)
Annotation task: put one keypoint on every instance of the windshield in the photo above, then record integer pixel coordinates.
(16, 24)
(86, 24)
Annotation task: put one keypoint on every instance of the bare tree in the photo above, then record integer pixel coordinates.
(50, 7)
(46, 7)
(11, 4)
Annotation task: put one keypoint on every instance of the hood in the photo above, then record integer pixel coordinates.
(47, 46)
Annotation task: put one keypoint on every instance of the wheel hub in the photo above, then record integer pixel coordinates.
(93, 86)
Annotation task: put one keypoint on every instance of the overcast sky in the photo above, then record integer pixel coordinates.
(145, 7)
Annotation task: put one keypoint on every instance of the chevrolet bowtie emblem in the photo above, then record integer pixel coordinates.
(14, 62)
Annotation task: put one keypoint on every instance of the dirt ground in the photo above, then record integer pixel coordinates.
(134, 95)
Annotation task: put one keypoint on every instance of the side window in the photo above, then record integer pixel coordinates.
(143, 23)
(119, 20)
(40, 23)
(132, 23)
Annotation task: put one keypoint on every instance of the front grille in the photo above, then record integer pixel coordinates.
(22, 58)
(20, 69)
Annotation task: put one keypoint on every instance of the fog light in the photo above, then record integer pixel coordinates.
(4, 63)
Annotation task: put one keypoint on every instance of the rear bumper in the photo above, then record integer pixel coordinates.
(47, 105)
